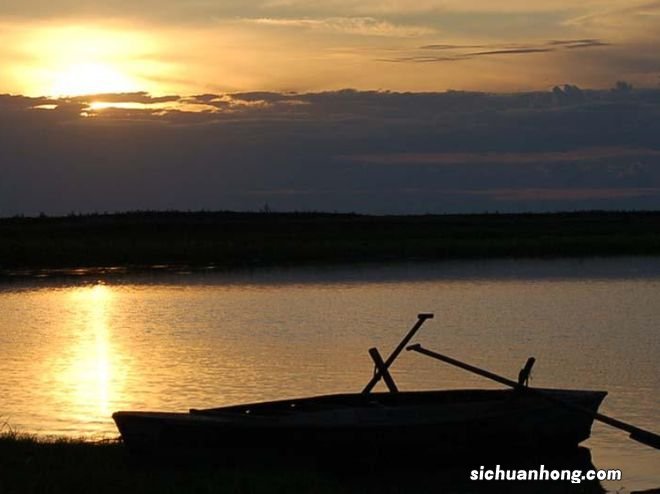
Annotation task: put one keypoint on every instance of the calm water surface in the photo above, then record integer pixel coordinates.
(72, 352)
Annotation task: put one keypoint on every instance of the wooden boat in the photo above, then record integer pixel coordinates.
(455, 422)
(447, 423)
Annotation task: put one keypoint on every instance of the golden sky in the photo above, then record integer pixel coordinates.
(172, 47)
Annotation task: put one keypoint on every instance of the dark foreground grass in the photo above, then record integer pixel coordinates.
(229, 240)
(30, 465)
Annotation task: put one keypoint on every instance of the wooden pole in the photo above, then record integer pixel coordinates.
(380, 367)
(421, 318)
(640, 435)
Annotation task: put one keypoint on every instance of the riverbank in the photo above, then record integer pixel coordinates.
(66, 466)
(228, 240)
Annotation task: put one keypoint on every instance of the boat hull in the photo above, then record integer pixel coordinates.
(452, 424)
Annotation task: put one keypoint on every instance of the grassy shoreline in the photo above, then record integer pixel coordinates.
(31, 464)
(228, 240)
(59, 465)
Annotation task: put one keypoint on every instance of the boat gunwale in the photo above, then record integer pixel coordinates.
(394, 399)
(338, 401)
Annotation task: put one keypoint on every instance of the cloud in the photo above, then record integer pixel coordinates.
(348, 150)
(440, 6)
(621, 15)
(514, 51)
(363, 26)
(424, 59)
(466, 158)
(450, 47)
(578, 43)
(563, 195)
(210, 12)
(10, 102)
(457, 52)
(136, 97)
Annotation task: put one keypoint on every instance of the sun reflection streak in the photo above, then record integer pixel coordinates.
(90, 374)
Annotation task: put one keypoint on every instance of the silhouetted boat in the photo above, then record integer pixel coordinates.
(454, 422)
(450, 423)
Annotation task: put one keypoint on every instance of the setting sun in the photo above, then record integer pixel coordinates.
(81, 60)
(91, 78)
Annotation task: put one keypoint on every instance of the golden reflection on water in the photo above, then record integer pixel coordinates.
(90, 372)
(82, 376)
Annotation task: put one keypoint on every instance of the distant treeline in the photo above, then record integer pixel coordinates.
(228, 239)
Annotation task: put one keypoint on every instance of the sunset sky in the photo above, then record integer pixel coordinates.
(339, 104)
(70, 47)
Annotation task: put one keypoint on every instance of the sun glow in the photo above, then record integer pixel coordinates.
(83, 60)
(91, 78)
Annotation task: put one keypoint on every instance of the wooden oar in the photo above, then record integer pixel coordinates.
(640, 435)
(421, 318)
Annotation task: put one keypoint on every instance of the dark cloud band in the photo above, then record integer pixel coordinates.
(368, 151)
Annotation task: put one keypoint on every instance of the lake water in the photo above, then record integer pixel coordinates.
(73, 350)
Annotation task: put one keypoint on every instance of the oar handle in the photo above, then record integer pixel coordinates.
(640, 435)
(647, 438)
